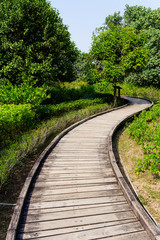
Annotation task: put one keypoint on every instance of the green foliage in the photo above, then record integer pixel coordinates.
(64, 94)
(141, 17)
(145, 130)
(115, 20)
(119, 50)
(23, 93)
(35, 45)
(146, 20)
(128, 89)
(128, 45)
(136, 16)
(82, 66)
(14, 119)
(47, 111)
(103, 87)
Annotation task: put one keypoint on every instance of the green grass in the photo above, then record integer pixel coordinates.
(143, 200)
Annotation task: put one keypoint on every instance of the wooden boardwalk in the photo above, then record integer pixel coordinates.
(76, 194)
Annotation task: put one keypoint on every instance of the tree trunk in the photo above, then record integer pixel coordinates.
(115, 96)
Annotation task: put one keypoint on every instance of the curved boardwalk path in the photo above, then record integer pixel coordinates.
(76, 194)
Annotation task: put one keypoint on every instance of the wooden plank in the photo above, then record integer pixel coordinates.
(84, 189)
(84, 145)
(79, 155)
(76, 213)
(64, 208)
(131, 236)
(79, 140)
(73, 170)
(73, 176)
(85, 168)
(90, 177)
(74, 149)
(76, 202)
(73, 182)
(110, 231)
(75, 164)
(37, 191)
(66, 176)
(81, 159)
(86, 135)
(63, 187)
(72, 222)
(41, 234)
(53, 197)
(73, 160)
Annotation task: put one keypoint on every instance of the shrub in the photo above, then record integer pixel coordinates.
(151, 93)
(145, 130)
(24, 93)
(47, 111)
(70, 93)
(14, 119)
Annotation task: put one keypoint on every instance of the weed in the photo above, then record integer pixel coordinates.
(143, 200)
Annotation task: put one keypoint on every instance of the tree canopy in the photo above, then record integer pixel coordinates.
(35, 45)
(120, 51)
(128, 46)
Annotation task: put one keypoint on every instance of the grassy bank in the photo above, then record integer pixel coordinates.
(139, 148)
(145, 183)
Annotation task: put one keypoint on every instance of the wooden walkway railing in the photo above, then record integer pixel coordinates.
(75, 191)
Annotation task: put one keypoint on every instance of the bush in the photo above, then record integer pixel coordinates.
(151, 93)
(70, 93)
(14, 119)
(22, 94)
(145, 130)
(47, 111)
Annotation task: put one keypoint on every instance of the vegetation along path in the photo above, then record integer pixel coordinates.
(76, 191)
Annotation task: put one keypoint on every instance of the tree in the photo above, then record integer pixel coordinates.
(148, 21)
(115, 20)
(135, 16)
(120, 51)
(81, 66)
(138, 46)
(35, 45)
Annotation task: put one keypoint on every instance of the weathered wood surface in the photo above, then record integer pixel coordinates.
(76, 194)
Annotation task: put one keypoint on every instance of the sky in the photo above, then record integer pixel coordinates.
(83, 16)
